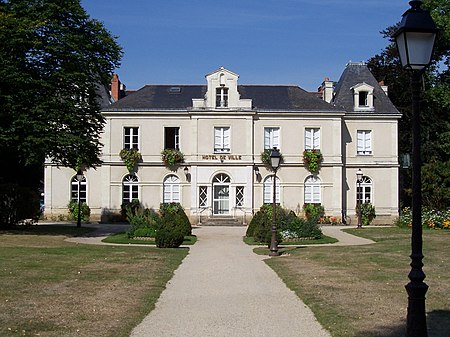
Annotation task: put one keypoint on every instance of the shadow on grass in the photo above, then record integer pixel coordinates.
(66, 230)
(438, 323)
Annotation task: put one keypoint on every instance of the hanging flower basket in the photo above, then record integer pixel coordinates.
(265, 158)
(131, 157)
(312, 159)
(172, 157)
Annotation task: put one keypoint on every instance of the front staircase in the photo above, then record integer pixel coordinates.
(222, 221)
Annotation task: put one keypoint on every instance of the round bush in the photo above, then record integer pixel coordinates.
(168, 238)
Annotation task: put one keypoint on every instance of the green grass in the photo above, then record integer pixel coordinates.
(325, 239)
(54, 288)
(359, 291)
(123, 238)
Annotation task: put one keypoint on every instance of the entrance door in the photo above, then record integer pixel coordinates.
(221, 199)
(221, 194)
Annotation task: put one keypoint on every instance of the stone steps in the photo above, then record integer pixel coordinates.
(222, 221)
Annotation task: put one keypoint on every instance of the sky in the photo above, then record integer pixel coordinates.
(297, 42)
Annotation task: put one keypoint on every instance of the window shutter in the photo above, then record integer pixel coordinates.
(217, 138)
(308, 139)
(226, 138)
(360, 140)
(368, 142)
(276, 138)
(316, 144)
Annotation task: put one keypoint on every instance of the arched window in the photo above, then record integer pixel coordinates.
(364, 190)
(268, 190)
(312, 190)
(130, 188)
(78, 188)
(171, 188)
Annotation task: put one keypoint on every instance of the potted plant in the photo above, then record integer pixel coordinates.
(131, 157)
(172, 157)
(312, 159)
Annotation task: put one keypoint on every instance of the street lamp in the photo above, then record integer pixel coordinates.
(359, 175)
(275, 159)
(415, 42)
(80, 177)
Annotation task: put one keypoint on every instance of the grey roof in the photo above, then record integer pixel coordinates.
(179, 97)
(356, 73)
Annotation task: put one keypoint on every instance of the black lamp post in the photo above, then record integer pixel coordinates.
(359, 175)
(415, 42)
(80, 177)
(275, 159)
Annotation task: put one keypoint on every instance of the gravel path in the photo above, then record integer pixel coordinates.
(223, 289)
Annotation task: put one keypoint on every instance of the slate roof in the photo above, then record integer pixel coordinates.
(264, 97)
(356, 73)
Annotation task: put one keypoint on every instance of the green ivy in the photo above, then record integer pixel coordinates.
(131, 157)
(171, 157)
(313, 160)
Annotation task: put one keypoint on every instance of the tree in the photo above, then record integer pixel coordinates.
(55, 59)
(435, 105)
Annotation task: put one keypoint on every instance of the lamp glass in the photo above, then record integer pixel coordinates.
(275, 158)
(359, 174)
(415, 49)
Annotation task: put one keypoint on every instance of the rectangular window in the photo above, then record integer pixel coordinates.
(271, 138)
(131, 138)
(312, 194)
(221, 97)
(172, 138)
(363, 95)
(203, 196)
(239, 196)
(364, 142)
(312, 139)
(222, 140)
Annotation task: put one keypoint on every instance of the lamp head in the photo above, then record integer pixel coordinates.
(275, 158)
(415, 37)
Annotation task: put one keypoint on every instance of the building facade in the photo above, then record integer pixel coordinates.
(222, 128)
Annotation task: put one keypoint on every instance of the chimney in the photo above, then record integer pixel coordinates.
(115, 88)
(327, 90)
(384, 87)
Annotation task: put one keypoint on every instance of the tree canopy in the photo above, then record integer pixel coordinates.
(55, 60)
(435, 107)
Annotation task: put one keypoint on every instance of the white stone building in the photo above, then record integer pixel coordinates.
(222, 128)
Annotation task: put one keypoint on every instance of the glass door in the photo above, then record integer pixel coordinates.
(221, 199)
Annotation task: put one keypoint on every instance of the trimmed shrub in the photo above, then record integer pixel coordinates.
(260, 228)
(302, 228)
(173, 215)
(169, 238)
(73, 211)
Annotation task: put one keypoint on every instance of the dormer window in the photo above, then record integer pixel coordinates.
(221, 97)
(363, 97)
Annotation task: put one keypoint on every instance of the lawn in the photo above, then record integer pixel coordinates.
(359, 291)
(55, 288)
(123, 238)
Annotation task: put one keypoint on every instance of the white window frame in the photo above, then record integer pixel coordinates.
(130, 186)
(240, 196)
(203, 196)
(364, 190)
(131, 137)
(222, 139)
(222, 97)
(312, 138)
(271, 138)
(176, 136)
(80, 189)
(364, 142)
(268, 190)
(313, 191)
(171, 189)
